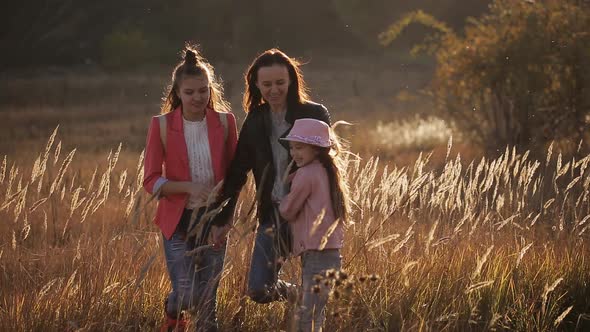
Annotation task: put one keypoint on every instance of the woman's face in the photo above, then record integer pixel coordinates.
(195, 93)
(273, 83)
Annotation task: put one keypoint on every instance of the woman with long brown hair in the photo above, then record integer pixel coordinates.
(275, 96)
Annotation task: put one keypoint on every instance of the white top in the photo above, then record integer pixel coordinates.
(280, 155)
(199, 158)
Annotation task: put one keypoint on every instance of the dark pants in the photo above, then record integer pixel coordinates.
(271, 247)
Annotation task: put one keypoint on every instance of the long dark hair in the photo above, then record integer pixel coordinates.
(330, 158)
(193, 64)
(297, 93)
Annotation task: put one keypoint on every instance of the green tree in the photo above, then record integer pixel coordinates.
(519, 75)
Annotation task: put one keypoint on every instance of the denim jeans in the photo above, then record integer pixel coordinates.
(311, 313)
(271, 248)
(194, 286)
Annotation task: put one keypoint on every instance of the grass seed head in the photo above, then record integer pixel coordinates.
(336, 294)
(315, 289)
(348, 286)
(331, 273)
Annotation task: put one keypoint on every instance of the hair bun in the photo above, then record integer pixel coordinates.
(190, 57)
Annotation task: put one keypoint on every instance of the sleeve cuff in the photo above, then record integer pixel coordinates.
(158, 186)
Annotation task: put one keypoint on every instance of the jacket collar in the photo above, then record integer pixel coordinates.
(176, 119)
(290, 114)
(266, 119)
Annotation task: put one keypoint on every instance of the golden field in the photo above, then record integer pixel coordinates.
(447, 240)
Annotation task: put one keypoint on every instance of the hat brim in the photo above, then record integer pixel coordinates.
(306, 140)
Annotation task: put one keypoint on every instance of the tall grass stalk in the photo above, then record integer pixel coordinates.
(493, 244)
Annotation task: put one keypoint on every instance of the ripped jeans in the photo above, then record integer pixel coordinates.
(194, 286)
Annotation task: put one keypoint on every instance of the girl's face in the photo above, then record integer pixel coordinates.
(302, 153)
(194, 92)
(273, 83)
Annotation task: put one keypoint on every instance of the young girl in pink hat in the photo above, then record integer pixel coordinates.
(316, 209)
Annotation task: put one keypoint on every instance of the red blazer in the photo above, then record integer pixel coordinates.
(173, 165)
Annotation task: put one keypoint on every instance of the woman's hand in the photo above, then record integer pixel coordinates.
(218, 235)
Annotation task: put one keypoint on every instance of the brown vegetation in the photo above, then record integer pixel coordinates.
(495, 244)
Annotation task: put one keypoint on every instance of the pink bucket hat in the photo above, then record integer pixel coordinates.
(310, 131)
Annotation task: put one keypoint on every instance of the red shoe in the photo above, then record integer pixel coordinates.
(174, 325)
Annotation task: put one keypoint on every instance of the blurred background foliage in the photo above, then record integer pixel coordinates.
(503, 72)
(519, 75)
(127, 33)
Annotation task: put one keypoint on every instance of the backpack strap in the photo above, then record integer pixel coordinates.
(223, 118)
(162, 119)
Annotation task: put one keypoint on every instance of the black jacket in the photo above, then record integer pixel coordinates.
(254, 153)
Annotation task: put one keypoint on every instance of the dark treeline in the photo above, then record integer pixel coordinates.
(125, 33)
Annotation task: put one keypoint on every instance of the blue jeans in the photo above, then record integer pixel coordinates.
(271, 248)
(312, 313)
(194, 286)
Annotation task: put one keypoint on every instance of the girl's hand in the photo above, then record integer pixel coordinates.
(218, 236)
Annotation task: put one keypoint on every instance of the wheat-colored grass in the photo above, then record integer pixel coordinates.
(490, 245)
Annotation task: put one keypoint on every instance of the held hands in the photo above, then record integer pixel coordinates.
(218, 236)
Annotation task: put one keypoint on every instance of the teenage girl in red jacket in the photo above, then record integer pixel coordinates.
(187, 154)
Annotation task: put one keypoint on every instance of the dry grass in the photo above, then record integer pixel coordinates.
(489, 245)
(439, 243)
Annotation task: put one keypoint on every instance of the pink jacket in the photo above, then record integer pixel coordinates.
(310, 194)
(173, 165)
